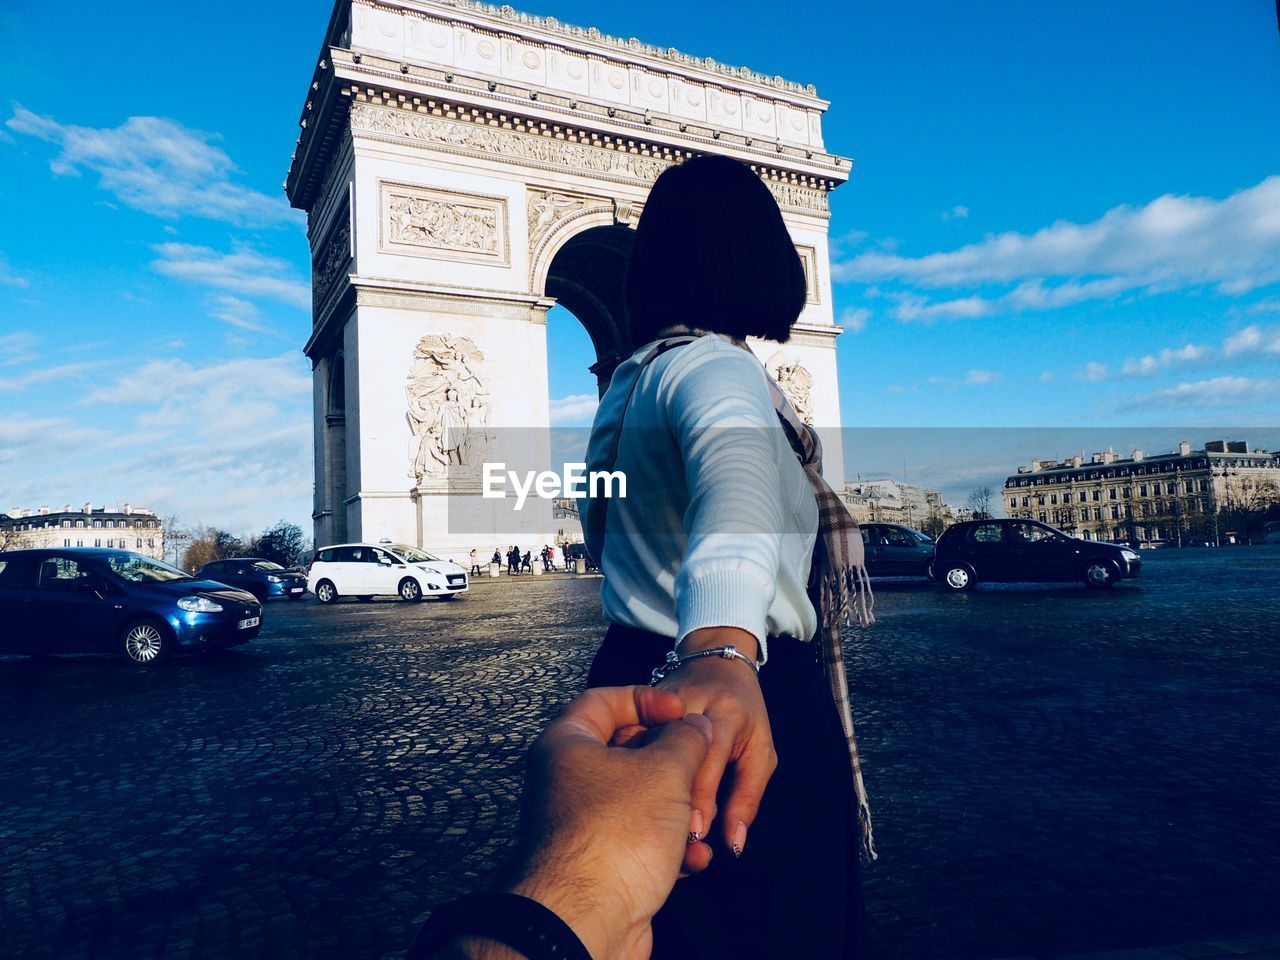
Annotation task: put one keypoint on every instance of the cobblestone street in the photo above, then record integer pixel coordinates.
(1052, 770)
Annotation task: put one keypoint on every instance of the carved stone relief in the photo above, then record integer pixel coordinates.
(796, 383)
(548, 208)
(448, 409)
(809, 260)
(332, 259)
(442, 224)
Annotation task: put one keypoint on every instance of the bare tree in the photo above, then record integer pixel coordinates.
(980, 502)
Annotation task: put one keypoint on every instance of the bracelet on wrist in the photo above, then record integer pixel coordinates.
(674, 661)
(508, 918)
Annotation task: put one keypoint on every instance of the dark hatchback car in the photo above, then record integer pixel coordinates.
(1021, 551)
(84, 600)
(897, 551)
(262, 578)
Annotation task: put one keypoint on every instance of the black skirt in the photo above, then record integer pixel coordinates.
(796, 891)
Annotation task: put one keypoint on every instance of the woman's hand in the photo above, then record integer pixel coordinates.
(726, 692)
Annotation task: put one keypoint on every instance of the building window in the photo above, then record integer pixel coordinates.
(66, 523)
(97, 542)
(1066, 498)
(1097, 495)
(139, 543)
(151, 543)
(1040, 503)
(1042, 517)
(67, 542)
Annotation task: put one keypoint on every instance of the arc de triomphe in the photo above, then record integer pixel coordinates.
(463, 168)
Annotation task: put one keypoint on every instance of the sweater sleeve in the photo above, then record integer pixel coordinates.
(718, 407)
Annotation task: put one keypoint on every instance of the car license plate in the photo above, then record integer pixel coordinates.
(249, 622)
(296, 589)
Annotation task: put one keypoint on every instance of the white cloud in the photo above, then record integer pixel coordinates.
(243, 271)
(916, 309)
(1217, 392)
(1046, 377)
(47, 375)
(1173, 242)
(1252, 340)
(8, 278)
(958, 212)
(1152, 363)
(157, 166)
(981, 377)
(576, 407)
(854, 319)
(237, 312)
(227, 442)
(1094, 371)
(17, 347)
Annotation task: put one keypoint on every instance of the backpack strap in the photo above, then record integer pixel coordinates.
(597, 517)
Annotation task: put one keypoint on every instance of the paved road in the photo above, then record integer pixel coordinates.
(1052, 770)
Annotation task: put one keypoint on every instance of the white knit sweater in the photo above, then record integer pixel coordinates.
(718, 525)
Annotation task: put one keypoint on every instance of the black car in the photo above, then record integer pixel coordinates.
(897, 551)
(262, 578)
(88, 600)
(1026, 550)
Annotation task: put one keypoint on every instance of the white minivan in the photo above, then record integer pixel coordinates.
(366, 570)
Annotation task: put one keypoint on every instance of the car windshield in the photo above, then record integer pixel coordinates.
(140, 569)
(412, 554)
(266, 565)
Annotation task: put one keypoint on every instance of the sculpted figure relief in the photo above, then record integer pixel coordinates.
(430, 223)
(796, 382)
(448, 407)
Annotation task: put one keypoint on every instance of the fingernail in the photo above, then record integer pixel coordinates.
(699, 721)
(696, 826)
(739, 839)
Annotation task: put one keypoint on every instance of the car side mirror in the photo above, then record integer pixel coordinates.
(385, 560)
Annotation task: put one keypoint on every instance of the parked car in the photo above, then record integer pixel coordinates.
(1026, 550)
(262, 578)
(366, 570)
(897, 551)
(89, 600)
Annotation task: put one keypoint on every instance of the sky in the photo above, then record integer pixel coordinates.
(1061, 232)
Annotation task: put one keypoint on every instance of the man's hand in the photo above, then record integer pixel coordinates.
(606, 815)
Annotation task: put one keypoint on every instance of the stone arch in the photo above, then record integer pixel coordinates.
(585, 272)
(459, 189)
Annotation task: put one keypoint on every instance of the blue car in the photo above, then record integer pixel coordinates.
(262, 578)
(83, 600)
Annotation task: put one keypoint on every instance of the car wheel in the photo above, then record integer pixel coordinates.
(410, 589)
(957, 578)
(326, 592)
(145, 642)
(1100, 574)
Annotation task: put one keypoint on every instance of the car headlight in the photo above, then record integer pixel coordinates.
(1129, 554)
(199, 605)
(272, 578)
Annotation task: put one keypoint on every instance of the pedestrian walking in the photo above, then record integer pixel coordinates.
(475, 563)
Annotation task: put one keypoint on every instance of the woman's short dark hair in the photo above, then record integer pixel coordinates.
(711, 251)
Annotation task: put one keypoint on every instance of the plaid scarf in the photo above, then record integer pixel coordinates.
(839, 586)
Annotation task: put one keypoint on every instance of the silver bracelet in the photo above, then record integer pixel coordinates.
(674, 661)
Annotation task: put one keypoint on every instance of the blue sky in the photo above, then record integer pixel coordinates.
(1061, 217)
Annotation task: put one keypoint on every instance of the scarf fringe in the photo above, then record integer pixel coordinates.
(847, 591)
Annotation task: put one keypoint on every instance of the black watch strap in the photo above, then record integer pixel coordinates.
(522, 924)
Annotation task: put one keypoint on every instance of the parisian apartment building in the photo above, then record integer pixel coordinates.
(886, 500)
(122, 527)
(1168, 497)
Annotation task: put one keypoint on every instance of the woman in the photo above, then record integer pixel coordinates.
(712, 552)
